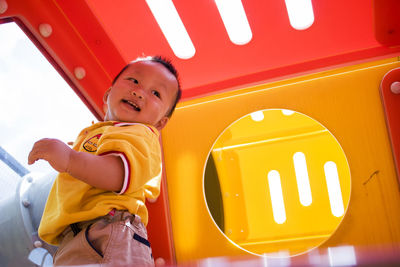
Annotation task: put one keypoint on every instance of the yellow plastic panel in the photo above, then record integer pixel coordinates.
(247, 151)
(346, 101)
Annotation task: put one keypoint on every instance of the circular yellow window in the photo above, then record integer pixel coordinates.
(277, 181)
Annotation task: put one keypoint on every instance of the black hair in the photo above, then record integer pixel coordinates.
(168, 65)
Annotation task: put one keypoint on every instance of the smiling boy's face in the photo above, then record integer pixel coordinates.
(143, 93)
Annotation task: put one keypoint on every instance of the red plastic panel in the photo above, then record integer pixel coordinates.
(64, 48)
(387, 22)
(343, 31)
(102, 36)
(159, 227)
(390, 91)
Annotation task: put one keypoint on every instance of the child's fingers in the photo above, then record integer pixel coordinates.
(31, 161)
(33, 156)
(35, 153)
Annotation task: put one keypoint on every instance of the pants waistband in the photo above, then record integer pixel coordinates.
(112, 216)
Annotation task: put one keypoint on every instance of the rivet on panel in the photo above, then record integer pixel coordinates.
(45, 30)
(3, 6)
(395, 88)
(26, 203)
(37, 244)
(80, 73)
(159, 262)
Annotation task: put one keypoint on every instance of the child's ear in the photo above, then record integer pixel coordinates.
(105, 108)
(105, 96)
(161, 124)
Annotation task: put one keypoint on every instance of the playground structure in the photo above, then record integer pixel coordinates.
(339, 74)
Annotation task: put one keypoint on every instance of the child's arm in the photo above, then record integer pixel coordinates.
(94, 170)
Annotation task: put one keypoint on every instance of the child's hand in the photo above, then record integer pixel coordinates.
(52, 150)
(64, 159)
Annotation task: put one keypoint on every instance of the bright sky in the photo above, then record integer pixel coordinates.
(35, 100)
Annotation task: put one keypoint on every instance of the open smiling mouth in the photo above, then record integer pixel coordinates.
(133, 105)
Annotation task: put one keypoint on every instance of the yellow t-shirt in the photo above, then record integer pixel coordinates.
(71, 200)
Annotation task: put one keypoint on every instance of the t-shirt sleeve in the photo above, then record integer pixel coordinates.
(139, 149)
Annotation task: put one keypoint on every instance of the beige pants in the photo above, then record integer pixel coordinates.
(111, 240)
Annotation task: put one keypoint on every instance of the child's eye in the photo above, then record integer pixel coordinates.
(132, 80)
(156, 93)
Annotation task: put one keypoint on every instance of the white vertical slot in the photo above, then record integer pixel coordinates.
(235, 21)
(172, 27)
(303, 182)
(334, 191)
(301, 13)
(275, 190)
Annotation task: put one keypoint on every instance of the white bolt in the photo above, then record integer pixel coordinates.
(29, 179)
(3, 6)
(45, 30)
(159, 262)
(80, 73)
(37, 244)
(26, 203)
(395, 88)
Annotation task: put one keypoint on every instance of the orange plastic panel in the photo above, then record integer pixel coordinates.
(346, 101)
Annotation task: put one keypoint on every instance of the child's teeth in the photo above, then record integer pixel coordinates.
(133, 104)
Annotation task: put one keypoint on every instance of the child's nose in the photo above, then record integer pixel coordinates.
(137, 93)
